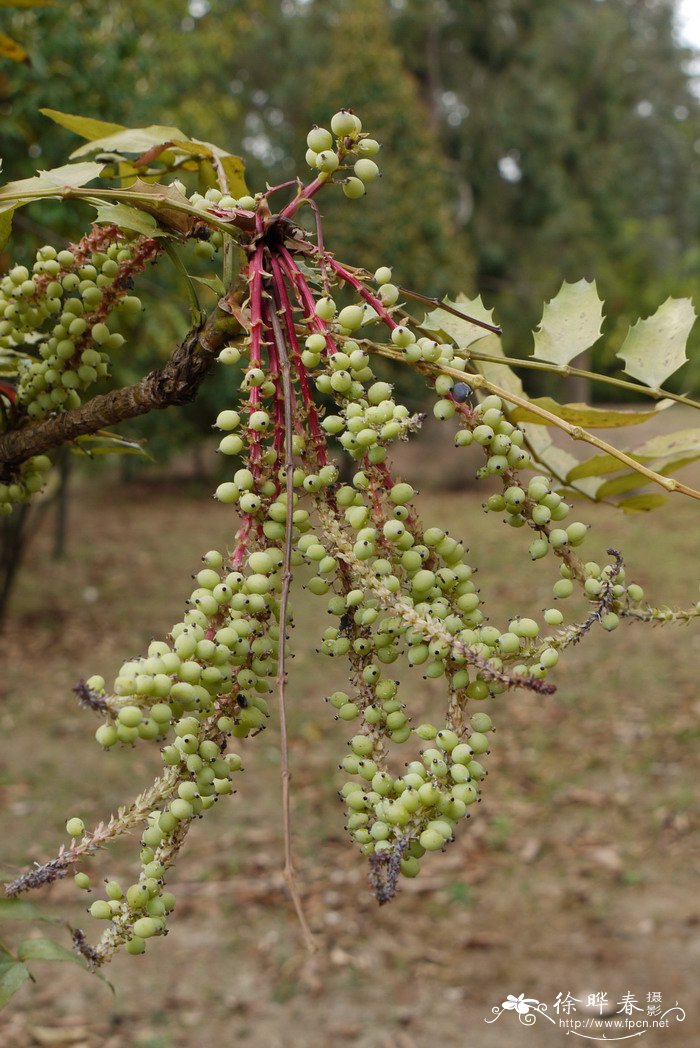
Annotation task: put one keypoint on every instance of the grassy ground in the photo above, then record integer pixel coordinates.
(578, 872)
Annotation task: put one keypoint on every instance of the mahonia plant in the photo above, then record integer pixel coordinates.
(305, 331)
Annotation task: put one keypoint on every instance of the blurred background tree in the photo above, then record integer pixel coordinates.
(527, 141)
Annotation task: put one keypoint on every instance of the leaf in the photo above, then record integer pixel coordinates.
(12, 976)
(5, 226)
(27, 3)
(584, 415)
(654, 348)
(682, 442)
(85, 126)
(640, 503)
(128, 218)
(625, 482)
(462, 333)
(156, 203)
(234, 168)
(47, 950)
(107, 443)
(214, 284)
(132, 140)
(22, 910)
(11, 49)
(571, 323)
(70, 175)
(599, 465)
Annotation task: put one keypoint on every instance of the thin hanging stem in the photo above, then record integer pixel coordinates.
(286, 379)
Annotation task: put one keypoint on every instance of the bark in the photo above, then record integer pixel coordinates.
(177, 382)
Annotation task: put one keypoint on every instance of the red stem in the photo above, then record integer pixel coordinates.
(282, 300)
(306, 299)
(306, 193)
(373, 301)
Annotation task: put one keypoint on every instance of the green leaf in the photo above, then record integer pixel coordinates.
(625, 482)
(5, 226)
(73, 175)
(85, 126)
(11, 49)
(47, 950)
(462, 333)
(641, 503)
(133, 140)
(599, 465)
(214, 283)
(584, 415)
(128, 218)
(11, 978)
(155, 202)
(571, 323)
(27, 3)
(654, 348)
(22, 910)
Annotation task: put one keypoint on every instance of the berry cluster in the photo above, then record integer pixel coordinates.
(400, 594)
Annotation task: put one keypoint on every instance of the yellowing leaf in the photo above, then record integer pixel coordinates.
(655, 347)
(599, 465)
(85, 126)
(9, 48)
(234, 169)
(584, 415)
(641, 503)
(571, 323)
(459, 330)
(132, 140)
(682, 442)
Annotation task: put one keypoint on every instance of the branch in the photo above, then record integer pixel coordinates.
(175, 383)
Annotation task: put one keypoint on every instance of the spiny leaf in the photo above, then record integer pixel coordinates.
(12, 976)
(73, 175)
(460, 331)
(11, 49)
(571, 323)
(128, 218)
(655, 347)
(584, 415)
(156, 203)
(85, 126)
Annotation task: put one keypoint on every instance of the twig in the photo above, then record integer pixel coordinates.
(289, 871)
(494, 328)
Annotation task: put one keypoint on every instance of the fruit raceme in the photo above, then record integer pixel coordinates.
(400, 594)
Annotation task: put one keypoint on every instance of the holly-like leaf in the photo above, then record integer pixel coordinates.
(85, 126)
(129, 218)
(571, 323)
(461, 331)
(70, 175)
(155, 202)
(584, 415)
(11, 49)
(655, 347)
(12, 975)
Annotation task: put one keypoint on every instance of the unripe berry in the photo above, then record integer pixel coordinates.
(343, 123)
(319, 139)
(366, 170)
(75, 827)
